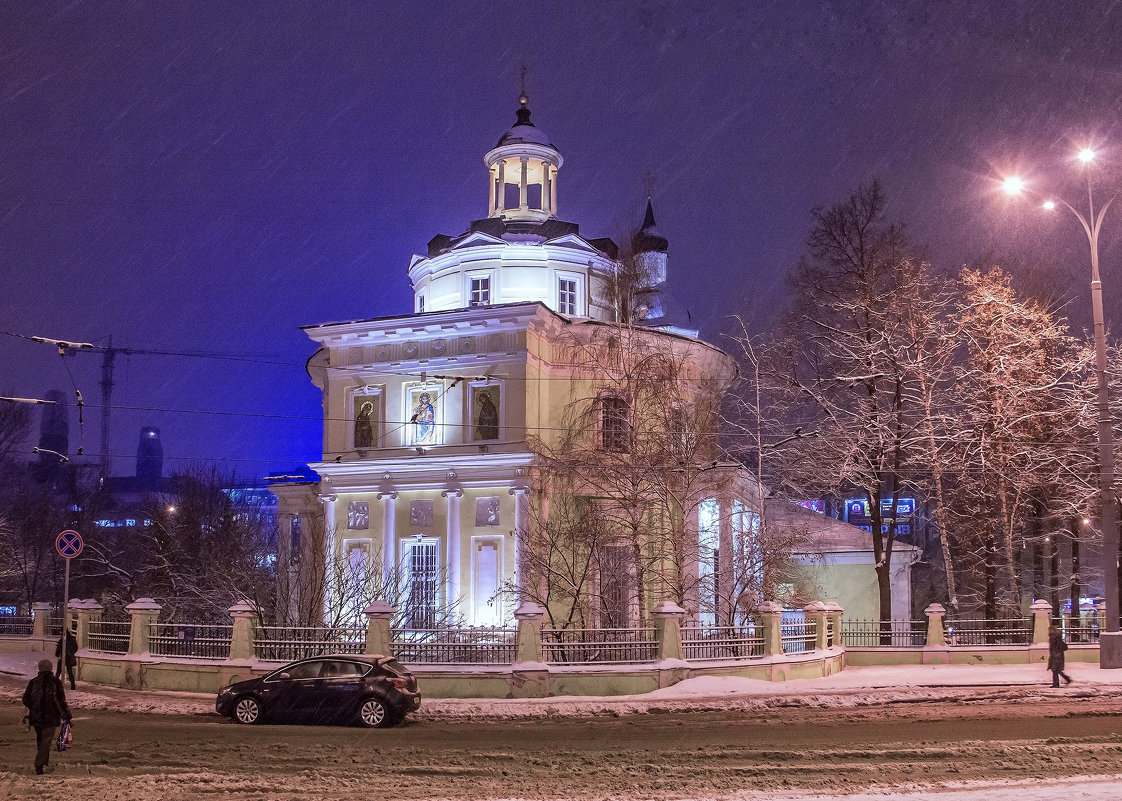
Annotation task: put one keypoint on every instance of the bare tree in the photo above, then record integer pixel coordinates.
(849, 362)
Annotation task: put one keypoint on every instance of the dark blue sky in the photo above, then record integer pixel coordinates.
(208, 177)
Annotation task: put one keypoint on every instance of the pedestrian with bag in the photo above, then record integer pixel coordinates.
(1056, 648)
(66, 652)
(45, 699)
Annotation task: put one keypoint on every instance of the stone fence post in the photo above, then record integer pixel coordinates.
(144, 612)
(816, 611)
(529, 639)
(772, 614)
(835, 613)
(89, 611)
(668, 629)
(40, 619)
(244, 630)
(1041, 620)
(379, 638)
(936, 635)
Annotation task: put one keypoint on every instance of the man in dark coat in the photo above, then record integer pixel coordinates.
(45, 699)
(1056, 648)
(66, 650)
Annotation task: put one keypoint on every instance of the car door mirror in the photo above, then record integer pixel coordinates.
(284, 677)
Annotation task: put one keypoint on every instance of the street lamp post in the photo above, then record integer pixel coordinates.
(1110, 641)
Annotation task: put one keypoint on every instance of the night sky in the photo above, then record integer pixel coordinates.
(204, 178)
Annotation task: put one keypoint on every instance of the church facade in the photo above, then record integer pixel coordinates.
(538, 366)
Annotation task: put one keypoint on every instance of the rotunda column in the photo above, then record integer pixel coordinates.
(490, 190)
(500, 201)
(553, 193)
(522, 204)
(547, 203)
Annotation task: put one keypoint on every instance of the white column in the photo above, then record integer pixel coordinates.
(500, 201)
(547, 201)
(522, 183)
(521, 532)
(452, 547)
(328, 545)
(389, 540)
(553, 194)
(490, 190)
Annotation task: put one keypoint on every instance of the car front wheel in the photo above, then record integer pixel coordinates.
(373, 714)
(247, 710)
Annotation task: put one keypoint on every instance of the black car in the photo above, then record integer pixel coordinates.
(372, 691)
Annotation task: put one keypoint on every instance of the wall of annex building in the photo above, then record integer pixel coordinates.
(461, 546)
(849, 580)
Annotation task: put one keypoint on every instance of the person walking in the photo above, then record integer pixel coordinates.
(1056, 648)
(66, 652)
(45, 699)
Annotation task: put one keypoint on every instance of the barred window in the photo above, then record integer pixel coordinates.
(480, 291)
(615, 428)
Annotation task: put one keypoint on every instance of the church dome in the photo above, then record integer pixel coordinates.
(522, 172)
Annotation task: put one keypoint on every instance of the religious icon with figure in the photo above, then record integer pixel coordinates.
(422, 420)
(485, 412)
(365, 421)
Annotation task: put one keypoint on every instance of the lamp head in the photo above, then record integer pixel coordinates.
(1013, 185)
(1086, 155)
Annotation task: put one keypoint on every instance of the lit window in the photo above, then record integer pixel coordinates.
(422, 577)
(567, 296)
(480, 291)
(615, 429)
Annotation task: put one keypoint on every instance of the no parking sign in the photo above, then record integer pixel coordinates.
(68, 544)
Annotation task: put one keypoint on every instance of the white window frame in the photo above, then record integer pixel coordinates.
(407, 576)
(578, 294)
(482, 613)
(420, 304)
(469, 290)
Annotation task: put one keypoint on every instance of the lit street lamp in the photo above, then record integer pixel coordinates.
(1110, 641)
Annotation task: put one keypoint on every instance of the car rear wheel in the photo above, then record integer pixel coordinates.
(247, 710)
(374, 714)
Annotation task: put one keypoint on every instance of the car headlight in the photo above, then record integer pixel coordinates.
(225, 690)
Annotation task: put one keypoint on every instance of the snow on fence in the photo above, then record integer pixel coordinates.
(895, 633)
(722, 642)
(1080, 635)
(975, 633)
(16, 625)
(110, 636)
(598, 646)
(288, 643)
(190, 640)
(475, 646)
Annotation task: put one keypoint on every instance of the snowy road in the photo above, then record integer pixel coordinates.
(949, 749)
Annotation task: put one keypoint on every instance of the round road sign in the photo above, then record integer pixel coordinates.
(68, 544)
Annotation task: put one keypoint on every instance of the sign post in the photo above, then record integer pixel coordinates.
(68, 544)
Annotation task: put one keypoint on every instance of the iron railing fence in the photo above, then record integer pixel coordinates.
(722, 642)
(895, 633)
(474, 646)
(598, 646)
(17, 625)
(1080, 635)
(797, 636)
(110, 636)
(288, 643)
(54, 626)
(191, 640)
(988, 633)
